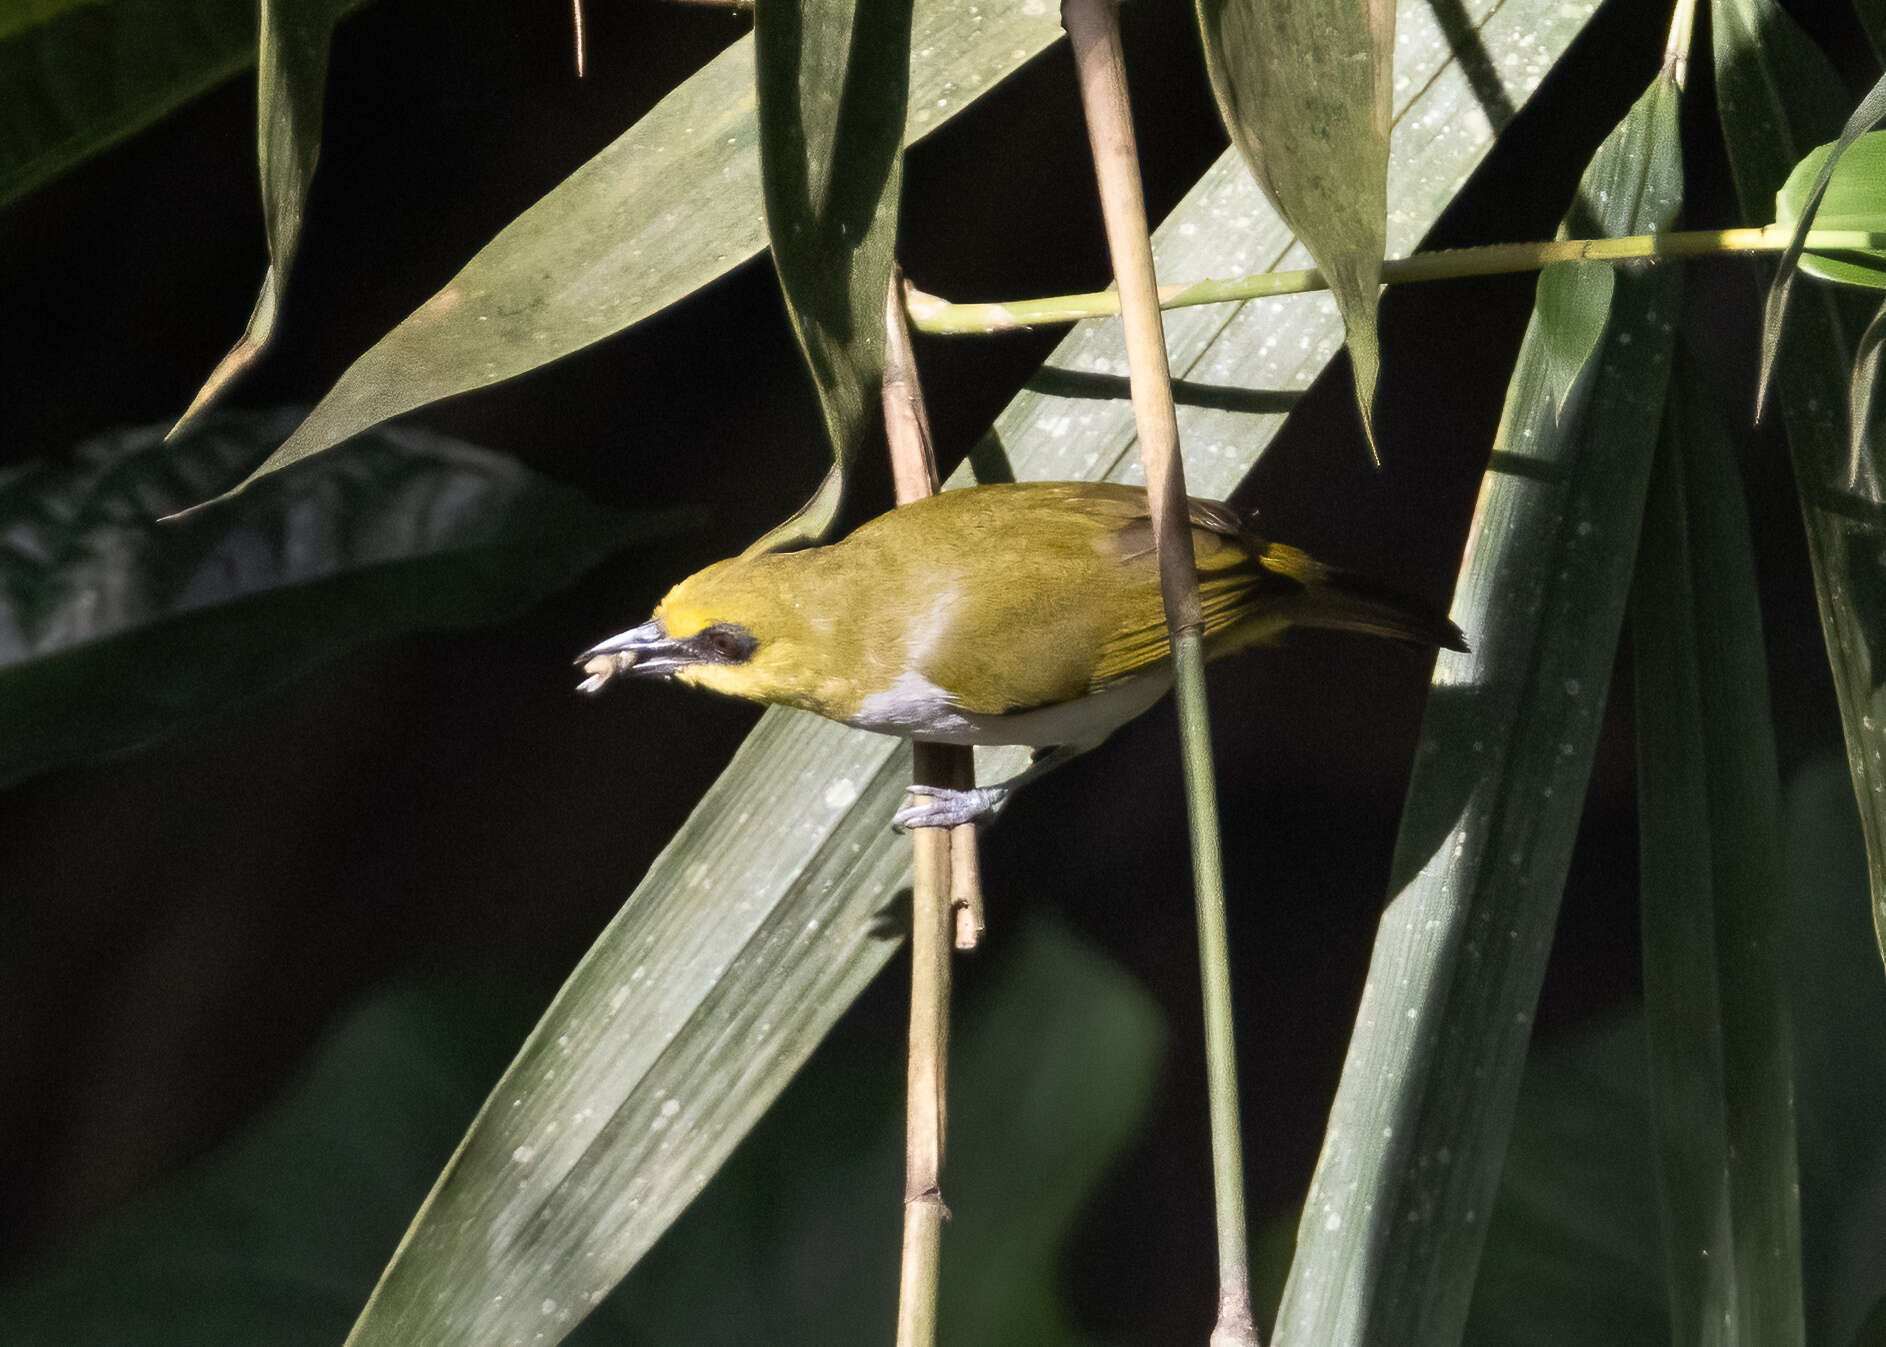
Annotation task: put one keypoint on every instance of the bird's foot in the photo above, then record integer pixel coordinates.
(944, 807)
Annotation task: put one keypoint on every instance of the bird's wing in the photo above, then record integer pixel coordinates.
(1240, 578)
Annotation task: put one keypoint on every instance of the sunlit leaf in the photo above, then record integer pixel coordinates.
(674, 203)
(833, 82)
(291, 76)
(1780, 96)
(1304, 89)
(115, 630)
(1803, 208)
(1393, 1226)
(1854, 198)
(1716, 897)
(764, 917)
(79, 77)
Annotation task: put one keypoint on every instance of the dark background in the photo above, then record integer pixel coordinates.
(186, 919)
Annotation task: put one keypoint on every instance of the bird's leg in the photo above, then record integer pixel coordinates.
(944, 807)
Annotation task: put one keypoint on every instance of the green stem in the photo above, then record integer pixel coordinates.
(1214, 960)
(1093, 32)
(930, 313)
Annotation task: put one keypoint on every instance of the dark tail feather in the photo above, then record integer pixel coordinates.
(1343, 601)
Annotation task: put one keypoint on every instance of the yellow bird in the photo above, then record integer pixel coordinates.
(1024, 613)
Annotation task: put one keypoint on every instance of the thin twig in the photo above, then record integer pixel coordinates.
(942, 866)
(1094, 33)
(926, 1120)
(933, 314)
(576, 8)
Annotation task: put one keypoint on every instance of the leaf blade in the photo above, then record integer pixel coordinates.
(1781, 103)
(116, 631)
(672, 204)
(291, 78)
(1305, 91)
(833, 85)
(1506, 747)
(1715, 894)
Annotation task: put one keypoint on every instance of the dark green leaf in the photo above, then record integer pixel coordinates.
(1716, 900)
(81, 76)
(833, 79)
(1395, 1219)
(1304, 90)
(276, 1234)
(674, 203)
(1572, 1254)
(1776, 94)
(1803, 208)
(115, 630)
(291, 78)
(275, 1237)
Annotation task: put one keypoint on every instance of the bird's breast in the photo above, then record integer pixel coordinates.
(913, 707)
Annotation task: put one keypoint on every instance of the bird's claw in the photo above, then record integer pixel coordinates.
(945, 807)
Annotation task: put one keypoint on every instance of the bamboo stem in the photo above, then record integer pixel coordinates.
(944, 871)
(926, 1080)
(930, 313)
(1094, 33)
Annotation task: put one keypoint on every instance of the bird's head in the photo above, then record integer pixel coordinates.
(727, 628)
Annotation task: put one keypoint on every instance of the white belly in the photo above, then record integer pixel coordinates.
(916, 708)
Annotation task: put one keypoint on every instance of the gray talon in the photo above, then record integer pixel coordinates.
(943, 807)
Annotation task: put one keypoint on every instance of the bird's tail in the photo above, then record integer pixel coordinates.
(1341, 600)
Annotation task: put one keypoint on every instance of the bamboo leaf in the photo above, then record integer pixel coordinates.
(116, 631)
(1774, 312)
(82, 76)
(1716, 896)
(1304, 90)
(1393, 1225)
(674, 203)
(1777, 99)
(761, 921)
(833, 77)
(291, 76)
(1854, 198)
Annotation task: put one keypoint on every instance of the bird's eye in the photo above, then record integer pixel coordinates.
(729, 643)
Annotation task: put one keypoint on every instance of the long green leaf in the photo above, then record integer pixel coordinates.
(674, 203)
(761, 920)
(1396, 1214)
(1779, 97)
(291, 77)
(1716, 896)
(1304, 90)
(115, 631)
(834, 78)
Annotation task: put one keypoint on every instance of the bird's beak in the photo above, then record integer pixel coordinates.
(646, 650)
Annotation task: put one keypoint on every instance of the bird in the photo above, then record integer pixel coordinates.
(1005, 613)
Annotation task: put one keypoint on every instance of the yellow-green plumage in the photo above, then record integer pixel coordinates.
(999, 600)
